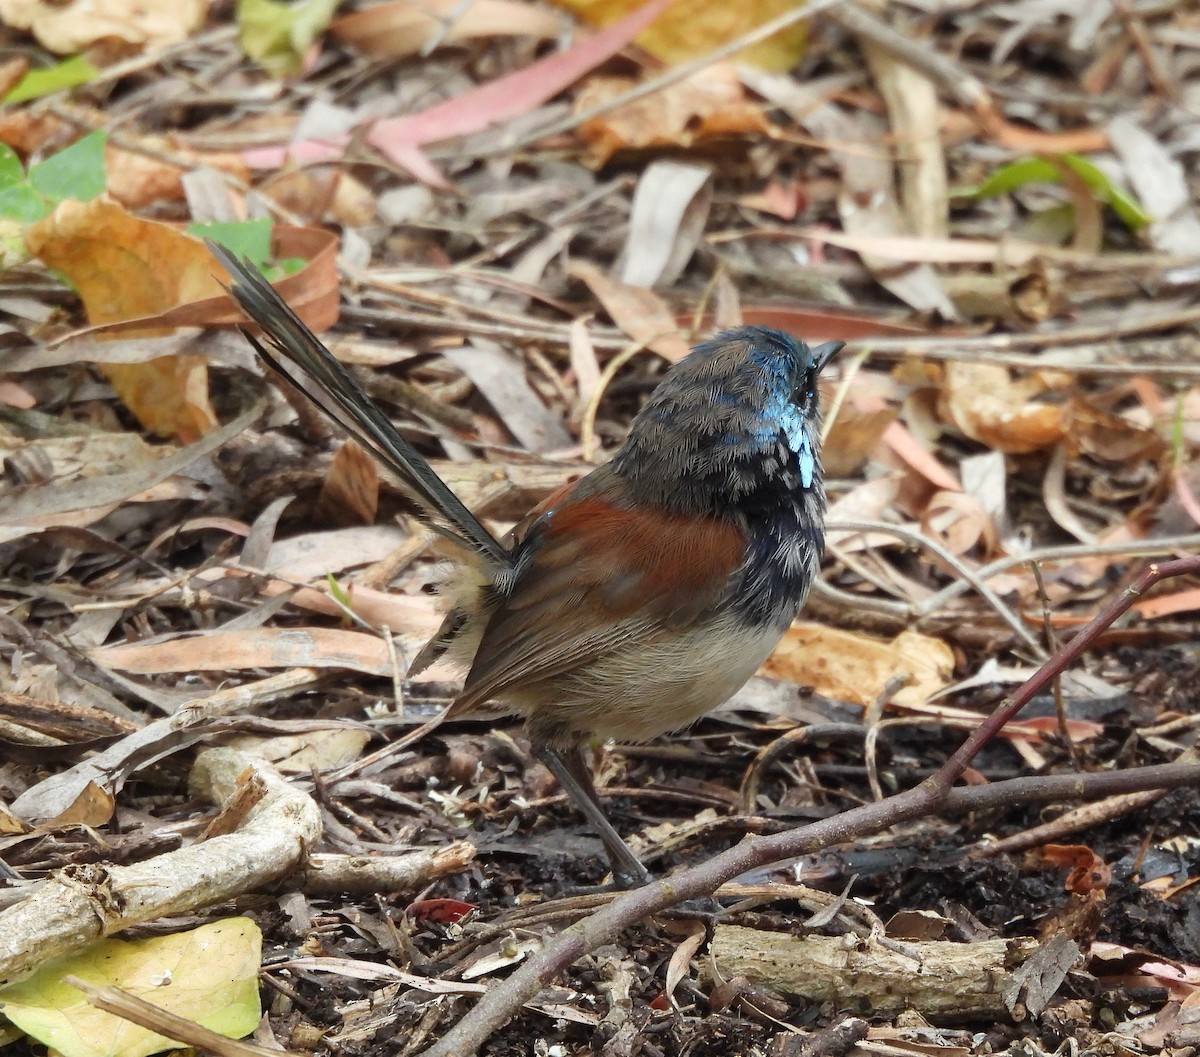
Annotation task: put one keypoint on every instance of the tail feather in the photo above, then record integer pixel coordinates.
(351, 408)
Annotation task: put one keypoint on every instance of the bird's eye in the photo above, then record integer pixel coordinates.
(806, 387)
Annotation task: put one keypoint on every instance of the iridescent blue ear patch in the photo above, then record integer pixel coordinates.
(798, 441)
(808, 462)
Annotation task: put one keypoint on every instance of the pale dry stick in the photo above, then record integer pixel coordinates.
(857, 563)
(994, 252)
(1069, 823)
(1108, 331)
(928, 609)
(145, 60)
(76, 906)
(532, 330)
(969, 576)
(1134, 549)
(338, 875)
(504, 999)
(444, 302)
(850, 368)
(109, 767)
(873, 721)
(961, 86)
(1154, 68)
(1171, 726)
(587, 421)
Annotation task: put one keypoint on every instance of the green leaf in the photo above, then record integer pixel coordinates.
(18, 201)
(12, 172)
(1049, 170)
(209, 975)
(77, 172)
(21, 202)
(277, 35)
(243, 238)
(338, 595)
(1124, 205)
(67, 74)
(282, 269)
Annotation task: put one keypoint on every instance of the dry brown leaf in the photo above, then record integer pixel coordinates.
(681, 960)
(500, 376)
(313, 555)
(69, 459)
(690, 28)
(1110, 438)
(961, 523)
(914, 115)
(851, 667)
(312, 292)
(312, 194)
(985, 404)
(866, 197)
(418, 615)
(13, 394)
(868, 501)
(125, 268)
(919, 458)
(1058, 505)
(92, 807)
(1087, 871)
(1032, 295)
(854, 435)
(711, 103)
(1168, 605)
(11, 72)
(10, 825)
(405, 28)
(122, 266)
(812, 324)
(27, 130)
(670, 210)
(72, 25)
(83, 501)
(642, 314)
(222, 651)
(136, 179)
(350, 492)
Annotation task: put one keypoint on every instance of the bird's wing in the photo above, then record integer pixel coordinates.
(592, 575)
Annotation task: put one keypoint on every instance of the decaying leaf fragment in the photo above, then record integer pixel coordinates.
(985, 403)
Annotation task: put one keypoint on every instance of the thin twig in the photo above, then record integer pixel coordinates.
(966, 574)
(962, 87)
(1133, 549)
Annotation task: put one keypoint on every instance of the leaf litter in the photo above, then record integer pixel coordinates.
(532, 219)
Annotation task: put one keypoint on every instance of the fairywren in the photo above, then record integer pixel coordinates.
(637, 598)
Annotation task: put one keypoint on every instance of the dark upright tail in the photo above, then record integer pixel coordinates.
(350, 406)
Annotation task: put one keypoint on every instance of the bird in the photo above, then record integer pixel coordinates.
(634, 600)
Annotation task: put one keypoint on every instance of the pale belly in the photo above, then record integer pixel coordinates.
(648, 688)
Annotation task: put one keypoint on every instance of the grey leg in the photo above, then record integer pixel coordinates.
(577, 783)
